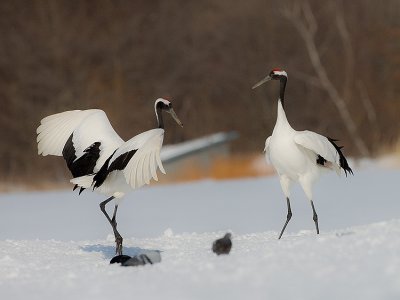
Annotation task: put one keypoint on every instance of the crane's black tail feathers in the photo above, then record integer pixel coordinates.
(80, 190)
(342, 160)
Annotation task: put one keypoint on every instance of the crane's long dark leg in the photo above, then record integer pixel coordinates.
(289, 216)
(118, 237)
(113, 223)
(315, 217)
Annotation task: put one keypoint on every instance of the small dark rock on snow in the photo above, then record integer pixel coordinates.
(223, 245)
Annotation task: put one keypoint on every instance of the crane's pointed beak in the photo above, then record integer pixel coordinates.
(173, 114)
(268, 78)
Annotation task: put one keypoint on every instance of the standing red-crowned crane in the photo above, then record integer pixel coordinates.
(98, 158)
(299, 156)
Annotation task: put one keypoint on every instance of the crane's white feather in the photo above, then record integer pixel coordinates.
(143, 164)
(266, 148)
(87, 126)
(320, 145)
(83, 181)
(139, 170)
(153, 165)
(55, 130)
(96, 128)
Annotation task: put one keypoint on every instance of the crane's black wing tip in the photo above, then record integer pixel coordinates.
(348, 170)
(342, 159)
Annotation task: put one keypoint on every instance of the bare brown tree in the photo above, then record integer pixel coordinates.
(302, 17)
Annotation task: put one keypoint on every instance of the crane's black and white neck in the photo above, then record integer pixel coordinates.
(299, 156)
(276, 74)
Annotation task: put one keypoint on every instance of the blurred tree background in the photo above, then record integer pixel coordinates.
(120, 56)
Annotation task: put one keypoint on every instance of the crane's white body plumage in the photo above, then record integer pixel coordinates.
(294, 154)
(141, 168)
(90, 126)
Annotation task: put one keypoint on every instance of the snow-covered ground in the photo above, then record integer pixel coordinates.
(58, 244)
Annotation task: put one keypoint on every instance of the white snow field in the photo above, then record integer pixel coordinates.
(57, 245)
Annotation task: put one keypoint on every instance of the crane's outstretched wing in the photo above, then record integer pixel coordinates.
(143, 165)
(85, 138)
(137, 158)
(54, 130)
(325, 150)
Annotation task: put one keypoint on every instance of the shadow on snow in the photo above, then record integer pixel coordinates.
(109, 251)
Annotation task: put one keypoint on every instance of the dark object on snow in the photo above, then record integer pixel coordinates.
(223, 246)
(120, 259)
(151, 257)
(137, 260)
